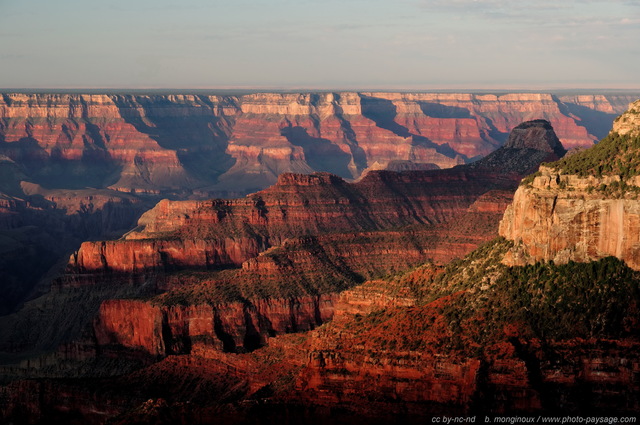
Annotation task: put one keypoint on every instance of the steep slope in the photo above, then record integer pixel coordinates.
(583, 207)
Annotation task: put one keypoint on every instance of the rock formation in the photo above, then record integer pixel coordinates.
(208, 144)
(561, 218)
(583, 208)
(538, 135)
(528, 145)
(628, 124)
(219, 233)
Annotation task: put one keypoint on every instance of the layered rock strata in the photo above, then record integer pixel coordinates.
(159, 331)
(219, 233)
(208, 143)
(308, 235)
(561, 218)
(75, 149)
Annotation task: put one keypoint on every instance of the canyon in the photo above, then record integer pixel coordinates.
(298, 244)
(78, 167)
(254, 268)
(323, 299)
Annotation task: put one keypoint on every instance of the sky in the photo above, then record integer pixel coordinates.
(329, 44)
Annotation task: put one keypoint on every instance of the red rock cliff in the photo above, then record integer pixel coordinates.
(203, 328)
(170, 143)
(219, 233)
(559, 218)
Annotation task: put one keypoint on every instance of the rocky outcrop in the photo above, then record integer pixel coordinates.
(629, 122)
(203, 329)
(536, 134)
(131, 325)
(529, 144)
(585, 216)
(561, 218)
(130, 256)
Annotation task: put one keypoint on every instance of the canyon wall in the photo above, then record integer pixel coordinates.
(203, 329)
(215, 145)
(562, 218)
(215, 234)
(381, 381)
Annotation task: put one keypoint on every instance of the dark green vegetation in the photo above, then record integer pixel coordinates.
(476, 303)
(527, 181)
(478, 268)
(613, 155)
(600, 299)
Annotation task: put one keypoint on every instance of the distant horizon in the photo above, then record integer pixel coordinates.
(267, 89)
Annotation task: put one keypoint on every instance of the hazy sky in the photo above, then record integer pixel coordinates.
(334, 44)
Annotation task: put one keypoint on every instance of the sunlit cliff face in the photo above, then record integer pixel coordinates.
(154, 143)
